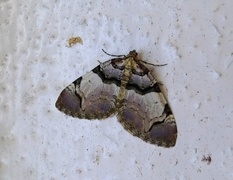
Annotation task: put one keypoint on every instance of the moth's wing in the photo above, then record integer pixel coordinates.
(89, 97)
(145, 112)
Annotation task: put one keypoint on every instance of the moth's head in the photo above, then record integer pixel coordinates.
(132, 53)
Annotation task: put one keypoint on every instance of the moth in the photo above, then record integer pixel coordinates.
(123, 86)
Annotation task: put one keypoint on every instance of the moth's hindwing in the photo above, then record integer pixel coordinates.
(124, 86)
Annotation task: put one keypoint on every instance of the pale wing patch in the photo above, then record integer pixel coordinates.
(155, 105)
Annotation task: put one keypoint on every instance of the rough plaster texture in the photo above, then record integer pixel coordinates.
(195, 39)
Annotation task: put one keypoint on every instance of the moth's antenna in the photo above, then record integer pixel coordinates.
(153, 64)
(112, 54)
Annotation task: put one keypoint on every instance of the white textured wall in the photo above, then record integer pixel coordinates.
(195, 39)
